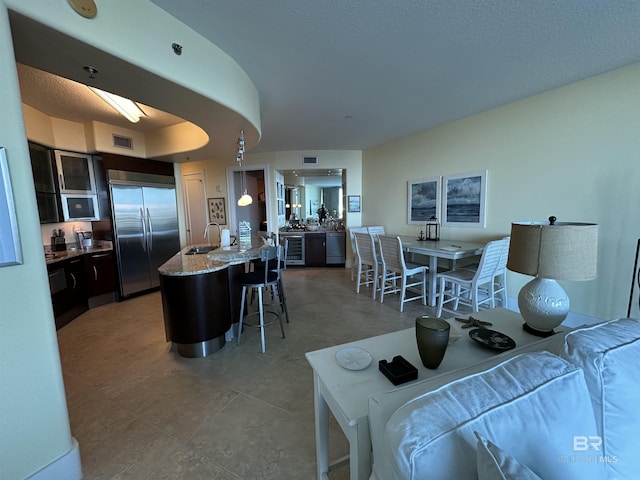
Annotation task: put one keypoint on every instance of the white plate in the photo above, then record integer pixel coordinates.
(353, 358)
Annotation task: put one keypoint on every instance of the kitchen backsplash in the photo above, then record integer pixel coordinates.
(69, 229)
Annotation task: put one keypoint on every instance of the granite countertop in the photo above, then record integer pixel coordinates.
(220, 258)
(294, 231)
(74, 251)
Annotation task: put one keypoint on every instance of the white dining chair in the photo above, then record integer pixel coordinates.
(498, 288)
(473, 288)
(395, 268)
(376, 230)
(368, 263)
(354, 254)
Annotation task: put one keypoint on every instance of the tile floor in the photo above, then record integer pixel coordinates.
(140, 411)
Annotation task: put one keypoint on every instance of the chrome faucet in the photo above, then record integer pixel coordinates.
(206, 232)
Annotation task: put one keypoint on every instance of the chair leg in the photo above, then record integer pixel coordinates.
(440, 298)
(283, 300)
(424, 288)
(403, 292)
(273, 289)
(261, 309)
(244, 295)
(375, 281)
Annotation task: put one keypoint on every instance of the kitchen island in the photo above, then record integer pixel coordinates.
(201, 295)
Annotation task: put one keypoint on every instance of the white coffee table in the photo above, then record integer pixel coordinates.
(346, 392)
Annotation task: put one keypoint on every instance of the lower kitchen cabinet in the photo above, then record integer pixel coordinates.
(315, 249)
(69, 294)
(76, 284)
(100, 271)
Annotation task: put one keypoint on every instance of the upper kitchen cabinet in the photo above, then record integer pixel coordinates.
(44, 181)
(75, 173)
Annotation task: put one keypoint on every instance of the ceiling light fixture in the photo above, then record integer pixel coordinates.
(125, 107)
(245, 199)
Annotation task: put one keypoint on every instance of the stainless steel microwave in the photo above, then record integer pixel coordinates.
(79, 207)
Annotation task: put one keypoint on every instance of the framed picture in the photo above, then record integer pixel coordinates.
(217, 211)
(465, 197)
(314, 205)
(353, 203)
(634, 297)
(10, 253)
(423, 199)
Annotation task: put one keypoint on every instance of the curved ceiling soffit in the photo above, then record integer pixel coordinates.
(46, 48)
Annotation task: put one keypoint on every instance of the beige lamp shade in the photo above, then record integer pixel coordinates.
(562, 251)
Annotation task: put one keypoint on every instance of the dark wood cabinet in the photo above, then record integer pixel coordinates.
(315, 249)
(44, 183)
(78, 282)
(100, 273)
(68, 286)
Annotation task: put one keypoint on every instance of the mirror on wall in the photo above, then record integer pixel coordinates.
(308, 189)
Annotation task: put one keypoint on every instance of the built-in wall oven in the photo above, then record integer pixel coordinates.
(295, 252)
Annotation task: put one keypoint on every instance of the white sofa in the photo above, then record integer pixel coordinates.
(571, 411)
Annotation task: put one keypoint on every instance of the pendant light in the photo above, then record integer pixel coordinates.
(245, 199)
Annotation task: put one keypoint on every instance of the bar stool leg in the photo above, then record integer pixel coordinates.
(244, 295)
(261, 307)
(274, 290)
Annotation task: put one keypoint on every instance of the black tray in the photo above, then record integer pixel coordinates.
(398, 370)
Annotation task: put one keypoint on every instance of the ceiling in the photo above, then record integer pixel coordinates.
(352, 75)
(58, 97)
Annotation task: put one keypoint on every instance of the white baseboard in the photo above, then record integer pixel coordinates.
(67, 467)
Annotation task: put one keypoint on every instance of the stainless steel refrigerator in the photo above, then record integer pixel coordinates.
(145, 227)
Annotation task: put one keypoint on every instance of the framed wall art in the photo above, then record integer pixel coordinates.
(634, 296)
(10, 253)
(465, 197)
(353, 203)
(217, 212)
(423, 199)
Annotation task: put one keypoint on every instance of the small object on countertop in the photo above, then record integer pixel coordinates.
(473, 322)
(492, 339)
(421, 236)
(353, 358)
(398, 370)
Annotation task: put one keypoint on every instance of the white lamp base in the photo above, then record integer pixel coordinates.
(544, 305)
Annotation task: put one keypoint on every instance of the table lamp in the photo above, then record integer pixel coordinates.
(550, 251)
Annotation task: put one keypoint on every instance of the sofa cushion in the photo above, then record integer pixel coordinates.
(533, 405)
(382, 405)
(495, 464)
(609, 354)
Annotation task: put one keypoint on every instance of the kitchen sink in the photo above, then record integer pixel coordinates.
(200, 250)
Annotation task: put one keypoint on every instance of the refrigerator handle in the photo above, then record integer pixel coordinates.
(150, 230)
(144, 230)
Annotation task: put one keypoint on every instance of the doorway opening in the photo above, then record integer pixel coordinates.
(257, 213)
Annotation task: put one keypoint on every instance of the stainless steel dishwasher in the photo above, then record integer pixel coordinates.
(335, 248)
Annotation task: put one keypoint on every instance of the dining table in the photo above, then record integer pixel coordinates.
(451, 250)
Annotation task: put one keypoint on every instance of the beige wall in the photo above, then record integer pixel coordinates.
(34, 426)
(571, 152)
